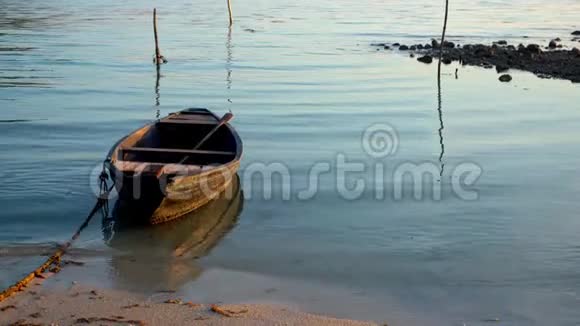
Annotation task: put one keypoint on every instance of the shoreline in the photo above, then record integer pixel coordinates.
(83, 304)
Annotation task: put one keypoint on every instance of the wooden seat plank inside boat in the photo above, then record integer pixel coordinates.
(189, 119)
(175, 150)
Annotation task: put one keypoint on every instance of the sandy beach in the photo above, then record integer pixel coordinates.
(83, 304)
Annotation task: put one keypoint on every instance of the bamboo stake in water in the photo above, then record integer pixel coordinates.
(159, 59)
(230, 12)
(443, 36)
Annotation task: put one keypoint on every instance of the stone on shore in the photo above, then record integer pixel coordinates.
(505, 78)
(425, 59)
(501, 68)
(449, 45)
(434, 44)
(533, 48)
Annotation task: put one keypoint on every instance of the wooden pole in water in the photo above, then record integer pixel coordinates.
(443, 36)
(159, 59)
(230, 12)
(157, 54)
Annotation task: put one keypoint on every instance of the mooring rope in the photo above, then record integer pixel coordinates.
(53, 262)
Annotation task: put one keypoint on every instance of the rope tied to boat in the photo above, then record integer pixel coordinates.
(52, 264)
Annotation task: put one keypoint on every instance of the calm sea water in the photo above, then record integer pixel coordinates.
(304, 84)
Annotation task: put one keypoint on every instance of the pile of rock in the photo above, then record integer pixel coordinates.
(550, 61)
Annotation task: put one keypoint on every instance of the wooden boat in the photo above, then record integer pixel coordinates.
(163, 255)
(178, 163)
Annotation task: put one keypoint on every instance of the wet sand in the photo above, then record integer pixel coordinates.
(82, 304)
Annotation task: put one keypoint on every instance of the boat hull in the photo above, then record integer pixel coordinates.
(174, 198)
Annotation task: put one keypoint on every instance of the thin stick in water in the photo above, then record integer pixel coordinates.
(443, 36)
(159, 59)
(230, 12)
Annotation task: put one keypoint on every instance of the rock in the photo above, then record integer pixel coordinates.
(480, 50)
(505, 78)
(553, 44)
(534, 48)
(449, 45)
(387, 47)
(420, 46)
(412, 55)
(413, 48)
(557, 39)
(558, 63)
(501, 42)
(501, 68)
(425, 59)
(434, 44)
(396, 44)
(403, 47)
(576, 33)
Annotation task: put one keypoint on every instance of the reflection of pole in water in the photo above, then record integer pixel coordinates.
(441, 127)
(229, 59)
(439, 110)
(157, 96)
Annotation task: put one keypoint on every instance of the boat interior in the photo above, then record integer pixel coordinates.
(172, 139)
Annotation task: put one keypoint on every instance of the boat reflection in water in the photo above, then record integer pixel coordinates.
(163, 257)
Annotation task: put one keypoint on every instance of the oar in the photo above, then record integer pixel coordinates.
(225, 119)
